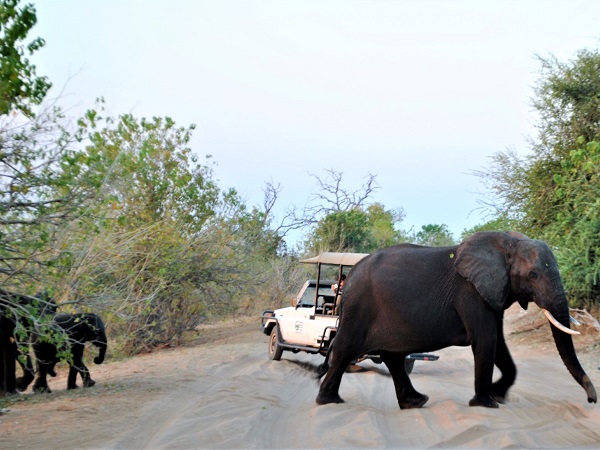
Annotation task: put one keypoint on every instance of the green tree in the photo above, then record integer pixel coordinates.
(433, 236)
(497, 224)
(550, 192)
(575, 232)
(343, 231)
(37, 199)
(145, 170)
(34, 198)
(383, 226)
(356, 231)
(567, 100)
(19, 85)
(161, 248)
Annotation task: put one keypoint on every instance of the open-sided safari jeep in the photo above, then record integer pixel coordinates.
(310, 324)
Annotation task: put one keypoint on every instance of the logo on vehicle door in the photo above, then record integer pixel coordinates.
(298, 326)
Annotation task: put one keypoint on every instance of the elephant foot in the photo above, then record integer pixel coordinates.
(484, 400)
(500, 398)
(72, 387)
(22, 384)
(89, 383)
(42, 390)
(499, 393)
(323, 399)
(414, 401)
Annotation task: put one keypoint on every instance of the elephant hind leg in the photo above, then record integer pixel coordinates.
(41, 382)
(24, 381)
(28, 374)
(406, 394)
(329, 390)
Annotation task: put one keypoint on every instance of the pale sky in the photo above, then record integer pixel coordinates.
(418, 93)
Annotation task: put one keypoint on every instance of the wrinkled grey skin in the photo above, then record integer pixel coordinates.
(408, 299)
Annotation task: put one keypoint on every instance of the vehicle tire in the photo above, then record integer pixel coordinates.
(409, 364)
(275, 351)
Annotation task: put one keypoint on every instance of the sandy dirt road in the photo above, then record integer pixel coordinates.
(223, 392)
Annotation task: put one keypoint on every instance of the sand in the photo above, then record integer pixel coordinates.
(223, 392)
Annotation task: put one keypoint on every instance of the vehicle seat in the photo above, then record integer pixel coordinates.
(328, 305)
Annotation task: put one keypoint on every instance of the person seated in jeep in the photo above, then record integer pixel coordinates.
(337, 290)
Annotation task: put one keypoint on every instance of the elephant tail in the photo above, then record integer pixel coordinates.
(323, 368)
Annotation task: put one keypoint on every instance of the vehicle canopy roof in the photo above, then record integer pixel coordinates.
(336, 258)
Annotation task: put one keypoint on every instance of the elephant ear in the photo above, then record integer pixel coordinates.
(482, 260)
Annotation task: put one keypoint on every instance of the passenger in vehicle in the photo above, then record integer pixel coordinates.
(338, 289)
(338, 293)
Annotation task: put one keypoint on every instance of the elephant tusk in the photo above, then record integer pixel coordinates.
(557, 324)
(574, 320)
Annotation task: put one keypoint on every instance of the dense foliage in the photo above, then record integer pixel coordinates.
(19, 85)
(356, 230)
(552, 193)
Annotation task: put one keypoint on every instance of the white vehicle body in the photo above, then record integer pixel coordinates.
(311, 323)
(305, 326)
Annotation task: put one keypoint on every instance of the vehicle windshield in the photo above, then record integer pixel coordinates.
(308, 298)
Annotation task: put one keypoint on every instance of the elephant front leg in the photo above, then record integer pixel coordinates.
(485, 355)
(505, 363)
(78, 367)
(406, 394)
(46, 359)
(85, 377)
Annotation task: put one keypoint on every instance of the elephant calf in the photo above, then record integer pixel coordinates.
(77, 329)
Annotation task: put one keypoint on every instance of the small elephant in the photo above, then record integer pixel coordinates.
(78, 329)
(408, 299)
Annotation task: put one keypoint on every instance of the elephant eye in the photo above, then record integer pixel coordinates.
(533, 275)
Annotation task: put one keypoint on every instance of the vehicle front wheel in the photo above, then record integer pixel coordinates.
(275, 351)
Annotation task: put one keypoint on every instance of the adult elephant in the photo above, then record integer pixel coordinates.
(408, 298)
(77, 329)
(18, 311)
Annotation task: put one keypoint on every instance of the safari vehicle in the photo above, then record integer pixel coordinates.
(310, 324)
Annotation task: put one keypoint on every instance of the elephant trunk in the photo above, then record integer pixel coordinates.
(566, 350)
(102, 343)
(100, 358)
